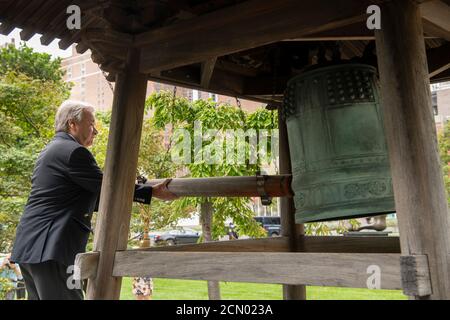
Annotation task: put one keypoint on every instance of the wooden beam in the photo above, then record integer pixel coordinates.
(112, 65)
(222, 82)
(235, 68)
(191, 76)
(113, 222)
(316, 269)
(351, 33)
(86, 265)
(437, 18)
(438, 59)
(415, 275)
(6, 28)
(26, 13)
(236, 186)
(433, 30)
(75, 35)
(441, 77)
(87, 262)
(357, 31)
(265, 85)
(43, 13)
(81, 47)
(188, 75)
(215, 87)
(250, 24)
(87, 5)
(341, 244)
(111, 77)
(109, 36)
(107, 49)
(336, 244)
(274, 244)
(294, 232)
(207, 69)
(97, 58)
(8, 24)
(57, 24)
(420, 197)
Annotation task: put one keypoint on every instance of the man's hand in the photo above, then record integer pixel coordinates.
(161, 191)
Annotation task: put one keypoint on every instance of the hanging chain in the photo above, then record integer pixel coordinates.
(173, 103)
(275, 73)
(174, 95)
(238, 103)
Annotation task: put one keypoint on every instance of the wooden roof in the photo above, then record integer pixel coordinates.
(240, 48)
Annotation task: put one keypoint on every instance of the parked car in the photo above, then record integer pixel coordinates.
(271, 224)
(177, 236)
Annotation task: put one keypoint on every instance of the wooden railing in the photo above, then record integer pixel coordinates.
(326, 261)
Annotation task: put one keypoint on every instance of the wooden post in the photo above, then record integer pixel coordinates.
(289, 228)
(111, 232)
(206, 218)
(420, 198)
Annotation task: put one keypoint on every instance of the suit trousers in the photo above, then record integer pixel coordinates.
(50, 280)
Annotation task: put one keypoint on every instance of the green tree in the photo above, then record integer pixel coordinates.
(215, 119)
(31, 89)
(24, 60)
(153, 163)
(444, 149)
(5, 287)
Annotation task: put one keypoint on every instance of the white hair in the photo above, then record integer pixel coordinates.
(70, 110)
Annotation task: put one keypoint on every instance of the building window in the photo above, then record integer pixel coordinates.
(83, 69)
(69, 73)
(195, 95)
(434, 105)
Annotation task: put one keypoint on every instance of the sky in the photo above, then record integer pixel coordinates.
(35, 43)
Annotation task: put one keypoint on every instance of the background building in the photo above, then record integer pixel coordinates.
(440, 97)
(90, 85)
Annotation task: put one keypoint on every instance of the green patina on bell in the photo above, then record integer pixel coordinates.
(336, 137)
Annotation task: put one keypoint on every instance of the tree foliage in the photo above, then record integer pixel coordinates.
(179, 113)
(153, 163)
(31, 89)
(38, 66)
(444, 149)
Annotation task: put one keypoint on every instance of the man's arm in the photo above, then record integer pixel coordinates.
(84, 171)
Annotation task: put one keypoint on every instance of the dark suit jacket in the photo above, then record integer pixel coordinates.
(66, 185)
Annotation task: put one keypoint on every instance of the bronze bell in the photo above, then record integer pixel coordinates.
(339, 158)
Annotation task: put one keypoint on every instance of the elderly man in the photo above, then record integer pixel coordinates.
(65, 189)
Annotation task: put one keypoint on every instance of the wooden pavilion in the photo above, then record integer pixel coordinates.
(249, 49)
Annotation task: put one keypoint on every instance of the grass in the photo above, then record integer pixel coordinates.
(171, 289)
